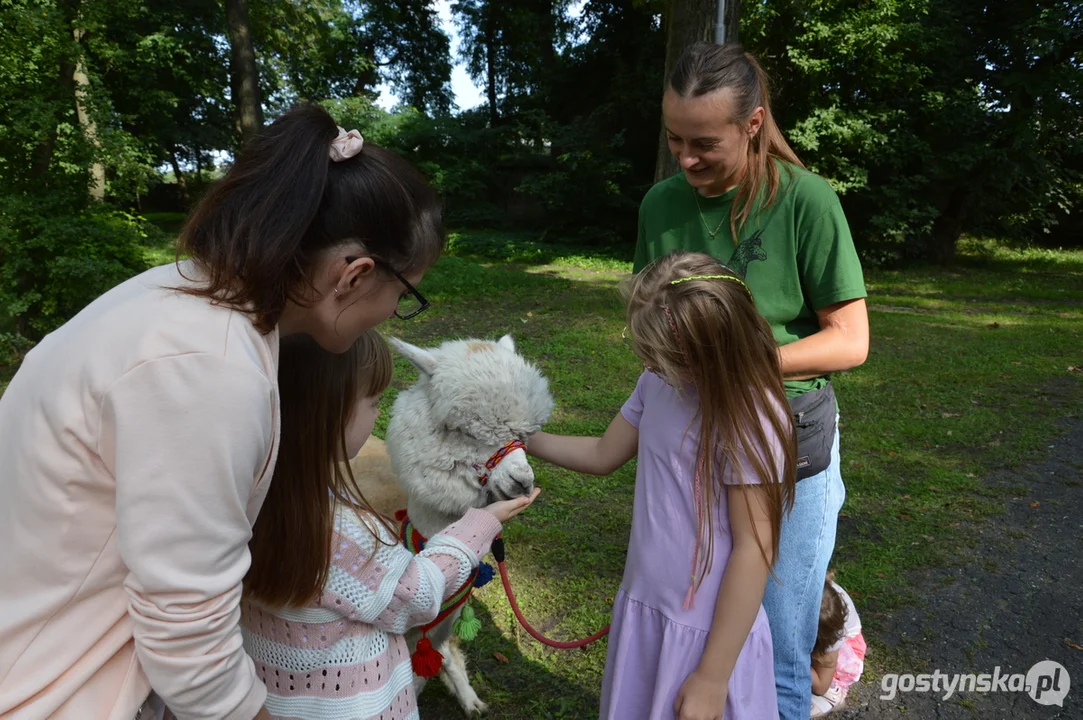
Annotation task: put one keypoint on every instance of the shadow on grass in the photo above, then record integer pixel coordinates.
(516, 689)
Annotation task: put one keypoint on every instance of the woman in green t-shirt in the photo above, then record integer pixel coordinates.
(744, 197)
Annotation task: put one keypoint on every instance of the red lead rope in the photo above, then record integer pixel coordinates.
(498, 553)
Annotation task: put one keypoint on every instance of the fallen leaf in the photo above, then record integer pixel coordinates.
(949, 415)
(879, 575)
(1067, 642)
(1035, 504)
(501, 657)
(905, 517)
(1016, 362)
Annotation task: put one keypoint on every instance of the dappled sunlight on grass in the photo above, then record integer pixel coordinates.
(968, 372)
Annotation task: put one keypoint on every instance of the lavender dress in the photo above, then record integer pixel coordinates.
(654, 643)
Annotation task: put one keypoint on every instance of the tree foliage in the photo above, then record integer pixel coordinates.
(930, 119)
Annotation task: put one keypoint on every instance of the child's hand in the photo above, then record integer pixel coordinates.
(701, 698)
(505, 510)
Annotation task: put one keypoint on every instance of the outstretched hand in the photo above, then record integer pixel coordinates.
(505, 510)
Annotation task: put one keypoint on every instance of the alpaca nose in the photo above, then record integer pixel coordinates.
(524, 482)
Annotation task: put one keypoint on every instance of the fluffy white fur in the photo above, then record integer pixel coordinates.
(471, 397)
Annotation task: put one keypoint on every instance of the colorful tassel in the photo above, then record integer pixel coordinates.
(467, 626)
(425, 660)
(485, 574)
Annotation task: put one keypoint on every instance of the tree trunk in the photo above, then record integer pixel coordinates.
(43, 153)
(243, 75)
(688, 21)
(369, 78)
(548, 49)
(182, 182)
(490, 62)
(947, 228)
(62, 95)
(86, 121)
(731, 21)
(549, 71)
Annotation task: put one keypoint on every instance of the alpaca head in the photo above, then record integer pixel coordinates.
(471, 397)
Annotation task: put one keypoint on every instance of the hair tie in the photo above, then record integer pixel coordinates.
(346, 145)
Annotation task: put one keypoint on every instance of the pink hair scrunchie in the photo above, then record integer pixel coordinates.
(346, 145)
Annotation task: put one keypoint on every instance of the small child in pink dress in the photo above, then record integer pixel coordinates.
(839, 654)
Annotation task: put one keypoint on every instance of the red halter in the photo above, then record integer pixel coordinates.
(494, 460)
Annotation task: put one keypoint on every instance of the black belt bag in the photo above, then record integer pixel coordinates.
(814, 416)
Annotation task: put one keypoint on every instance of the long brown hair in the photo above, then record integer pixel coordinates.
(707, 333)
(706, 68)
(833, 614)
(257, 233)
(291, 540)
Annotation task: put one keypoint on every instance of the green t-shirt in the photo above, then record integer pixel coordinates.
(797, 256)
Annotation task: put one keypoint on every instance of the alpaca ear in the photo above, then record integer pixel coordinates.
(507, 343)
(420, 358)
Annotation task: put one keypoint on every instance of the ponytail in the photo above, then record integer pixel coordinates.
(257, 233)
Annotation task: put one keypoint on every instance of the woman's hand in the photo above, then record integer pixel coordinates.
(505, 510)
(701, 697)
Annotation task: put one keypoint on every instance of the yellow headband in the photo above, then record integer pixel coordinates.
(678, 281)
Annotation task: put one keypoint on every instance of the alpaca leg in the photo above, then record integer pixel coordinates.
(456, 679)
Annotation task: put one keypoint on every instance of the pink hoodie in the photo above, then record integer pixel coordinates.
(136, 445)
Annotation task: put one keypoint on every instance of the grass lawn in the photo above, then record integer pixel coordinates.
(970, 370)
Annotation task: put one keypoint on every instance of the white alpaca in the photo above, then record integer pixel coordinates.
(472, 397)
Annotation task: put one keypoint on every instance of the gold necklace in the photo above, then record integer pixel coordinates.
(695, 194)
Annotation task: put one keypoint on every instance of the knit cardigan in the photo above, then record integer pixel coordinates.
(344, 657)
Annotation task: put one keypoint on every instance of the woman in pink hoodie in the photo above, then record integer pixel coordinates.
(137, 441)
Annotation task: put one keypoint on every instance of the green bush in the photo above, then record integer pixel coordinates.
(12, 348)
(466, 161)
(55, 258)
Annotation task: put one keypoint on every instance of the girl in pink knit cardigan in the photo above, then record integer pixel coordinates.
(331, 591)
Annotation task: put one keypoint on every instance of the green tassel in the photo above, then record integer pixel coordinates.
(467, 626)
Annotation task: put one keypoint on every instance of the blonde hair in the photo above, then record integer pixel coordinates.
(291, 540)
(706, 68)
(706, 332)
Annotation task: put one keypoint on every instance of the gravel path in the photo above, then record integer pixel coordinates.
(1018, 602)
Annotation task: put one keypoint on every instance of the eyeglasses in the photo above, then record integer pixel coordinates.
(412, 303)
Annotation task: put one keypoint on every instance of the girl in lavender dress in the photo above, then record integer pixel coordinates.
(715, 440)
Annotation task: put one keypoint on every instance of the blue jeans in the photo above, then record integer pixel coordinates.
(793, 600)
